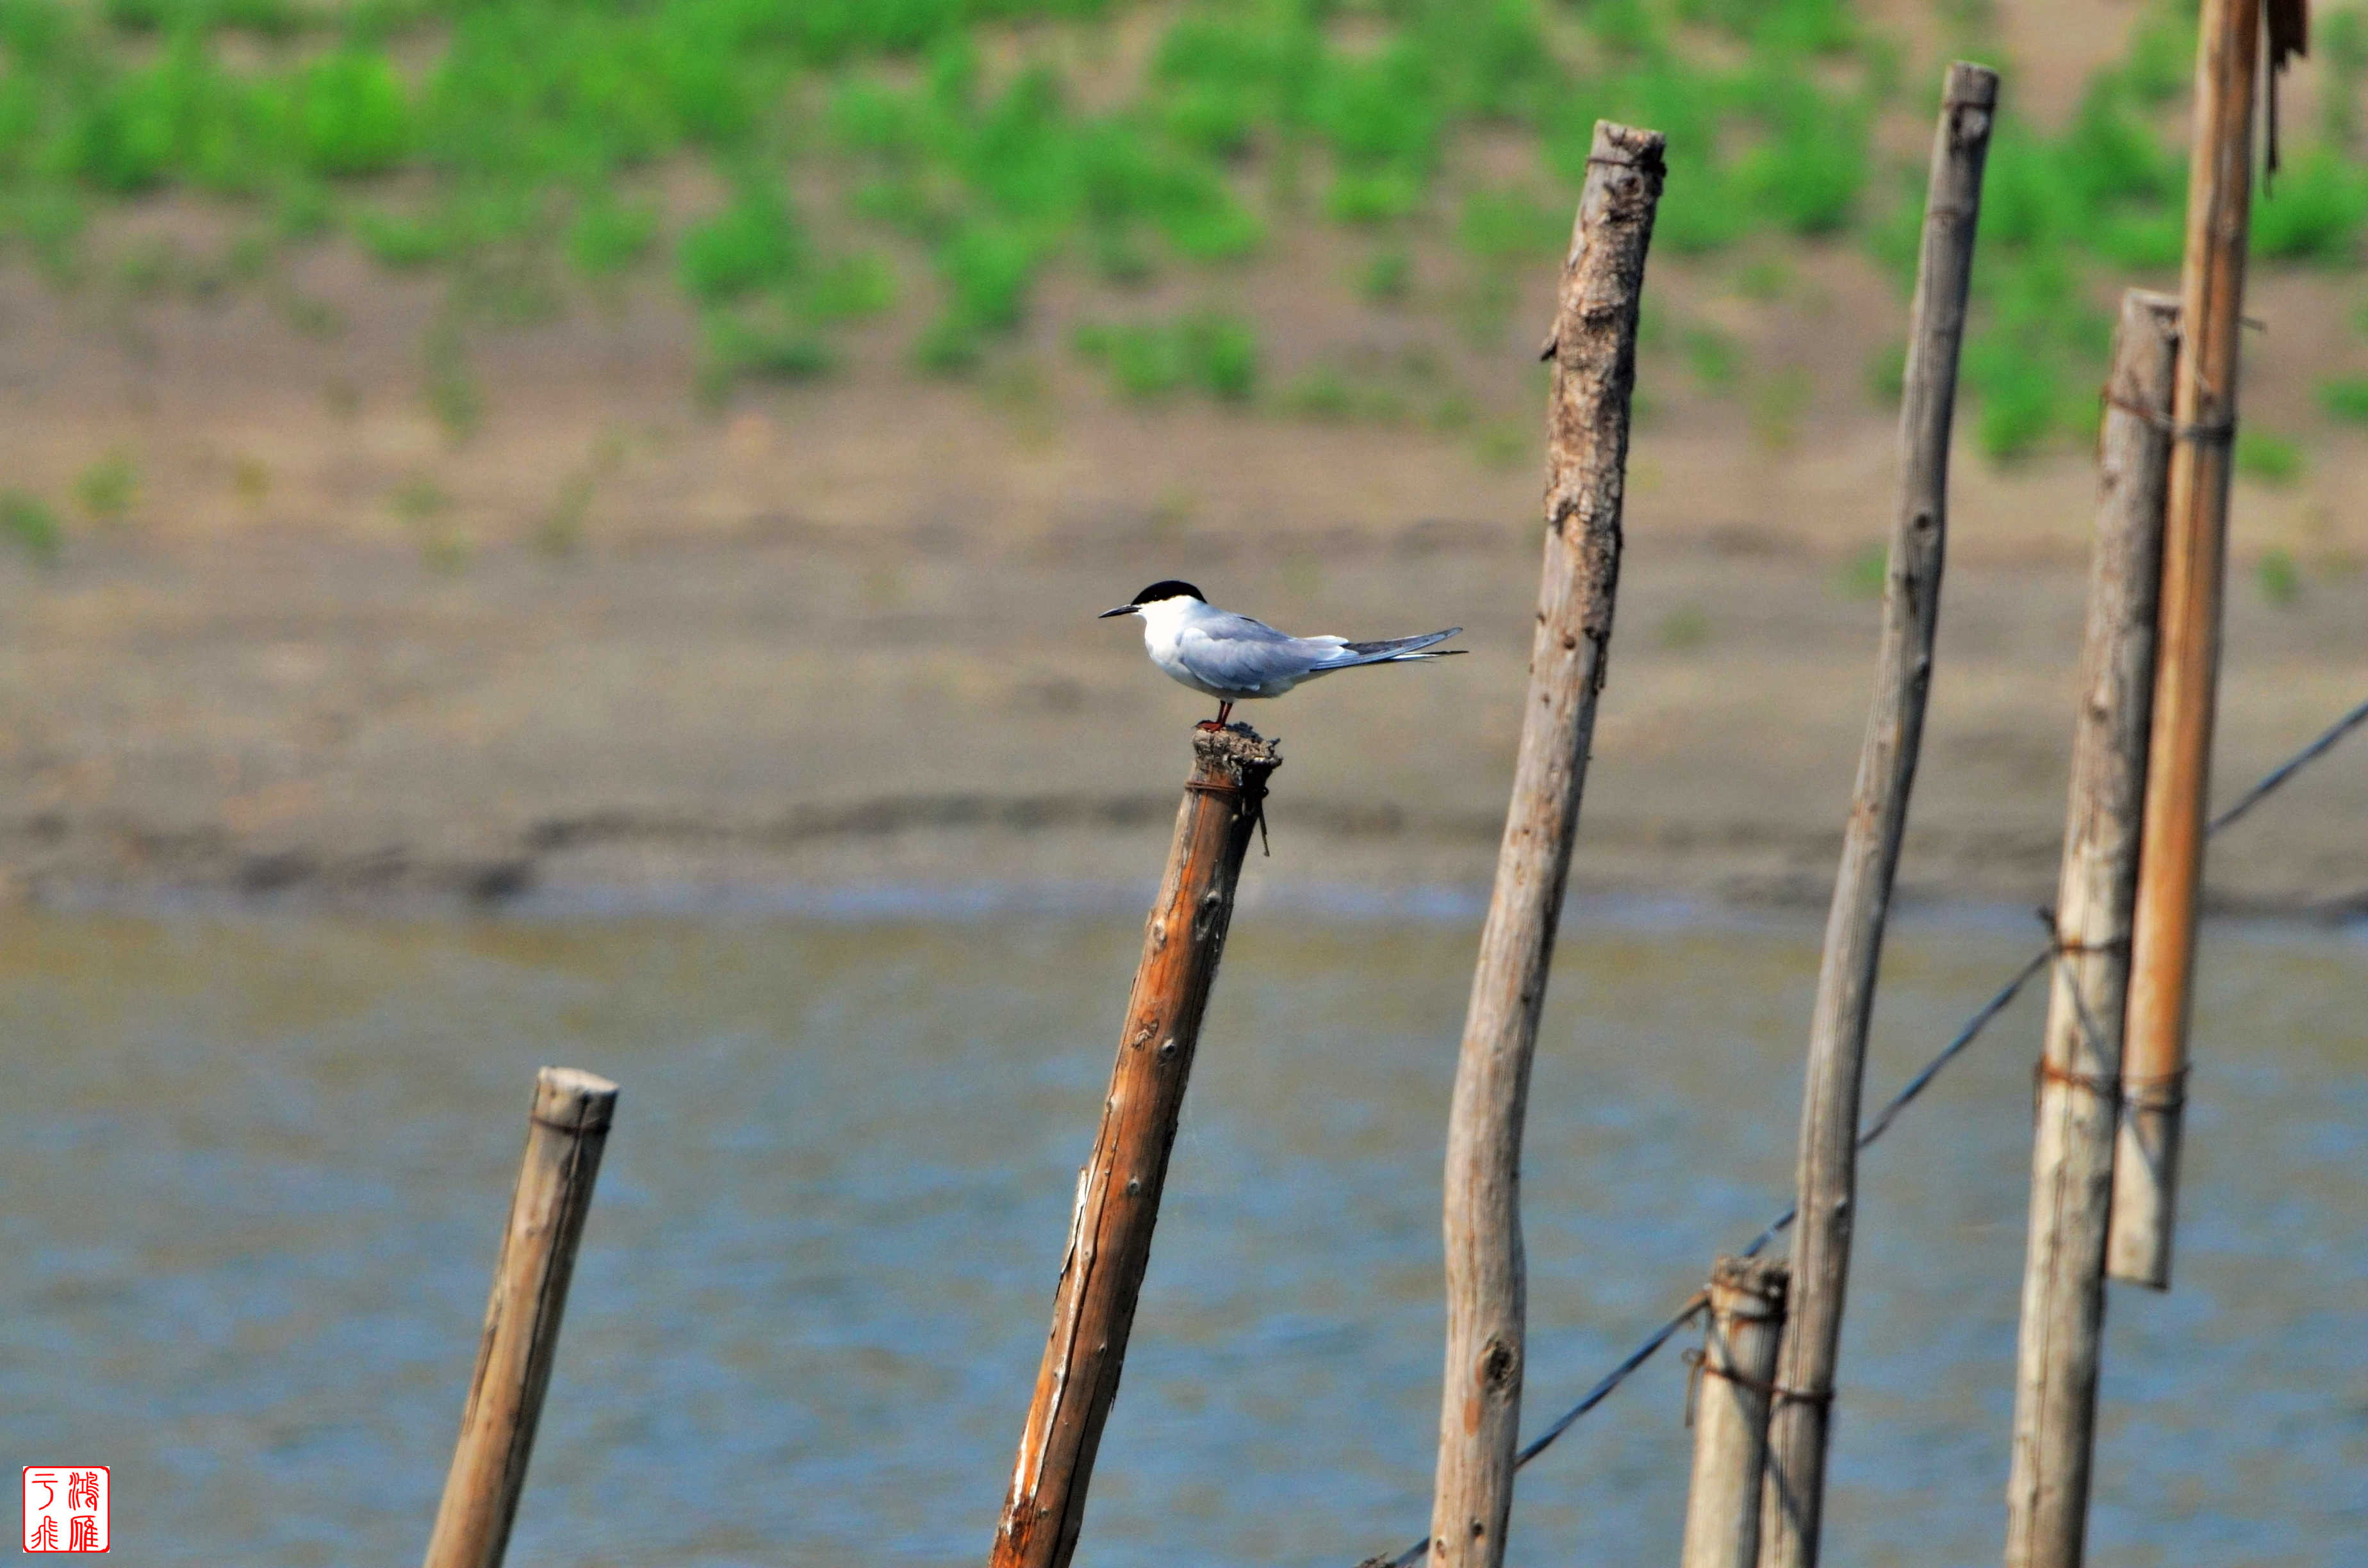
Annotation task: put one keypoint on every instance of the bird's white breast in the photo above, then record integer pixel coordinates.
(1164, 627)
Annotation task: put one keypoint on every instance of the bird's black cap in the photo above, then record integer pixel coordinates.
(1169, 589)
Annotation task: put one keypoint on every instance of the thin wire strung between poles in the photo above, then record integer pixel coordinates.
(1999, 1001)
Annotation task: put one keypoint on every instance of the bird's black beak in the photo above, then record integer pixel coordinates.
(1122, 609)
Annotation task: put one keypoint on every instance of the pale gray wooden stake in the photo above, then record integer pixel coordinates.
(2072, 1150)
(1730, 1405)
(1593, 348)
(1886, 769)
(566, 1133)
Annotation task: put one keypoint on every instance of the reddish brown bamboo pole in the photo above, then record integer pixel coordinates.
(1117, 1191)
(2072, 1146)
(1828, 1178)
(566, 1132)
(1594, 351)
(1739, 1365)
(2187, 670)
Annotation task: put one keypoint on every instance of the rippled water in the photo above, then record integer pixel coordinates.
(255, 1171)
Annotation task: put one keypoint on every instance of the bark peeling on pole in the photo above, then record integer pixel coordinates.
(566, 1133)
(1593, 348)
(2187, 672)
(1737, 1371)
(1119, 1189)
(2072, 1147)
(1827, 1177)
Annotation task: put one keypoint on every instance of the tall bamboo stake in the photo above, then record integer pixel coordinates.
(1886, 770)
(566, 1132)
(1738, 1371)
(1117, 1191)
(2079, 1088)
(2187, 673)
(1594, 351)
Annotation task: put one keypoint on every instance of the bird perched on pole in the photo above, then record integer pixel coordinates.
(1233, 658)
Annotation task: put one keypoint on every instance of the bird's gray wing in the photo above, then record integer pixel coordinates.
(1241, 654)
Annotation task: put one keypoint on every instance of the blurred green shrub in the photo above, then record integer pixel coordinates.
(2345, 398)
(2279, 577)
(1208, 352)
(2272, 459)
(27, 520)
(108, 487)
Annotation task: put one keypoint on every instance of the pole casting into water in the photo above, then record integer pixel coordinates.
(2079, 1092)
(1736, 1384)
(1827, 1174)
(566, 1132)
(1117, 1191)
(1233, 658)
(1593, 348)
(2187, 673)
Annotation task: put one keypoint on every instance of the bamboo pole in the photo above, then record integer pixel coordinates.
(2072, 1149)
(566, 1132)
(1739, 1371)
(2187, 672)
(1117, 1191)
(1593, 348)
(1886, 771)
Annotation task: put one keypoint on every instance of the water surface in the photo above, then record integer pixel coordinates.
(256, 1169)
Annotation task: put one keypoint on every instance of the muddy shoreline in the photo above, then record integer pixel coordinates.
(293, 719)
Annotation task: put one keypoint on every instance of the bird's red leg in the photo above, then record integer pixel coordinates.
(1225, 710)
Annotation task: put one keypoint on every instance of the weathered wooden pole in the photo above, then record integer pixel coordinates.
(2187, 670)
(1738, 1374)
(1828, 1180)
(566, 1133)
(1117, 1191)
(2080, 1062)
(1593, 348)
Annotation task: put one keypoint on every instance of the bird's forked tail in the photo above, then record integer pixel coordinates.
(1391, 650)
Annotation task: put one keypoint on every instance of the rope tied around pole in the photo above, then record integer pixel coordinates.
(1699, 1365)
(1258, 807)
(2213, 432)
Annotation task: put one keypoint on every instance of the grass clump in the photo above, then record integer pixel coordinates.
(1863, 573)
(2345, 398)
(108, 487)
(609, 237)
(1207, 352)
(1715, 359)
(764, 344)
(2278, 578)
(29, 523)
(752, 244)
(2272, 459)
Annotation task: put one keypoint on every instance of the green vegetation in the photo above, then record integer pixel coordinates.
(27, 520)
(1685, 628)
(1206, 352)
(2278, 578)
(2345, 398)
(1714, 358)
(964, 150)
(2272, 459)
(108, 487)
(1862, 576)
